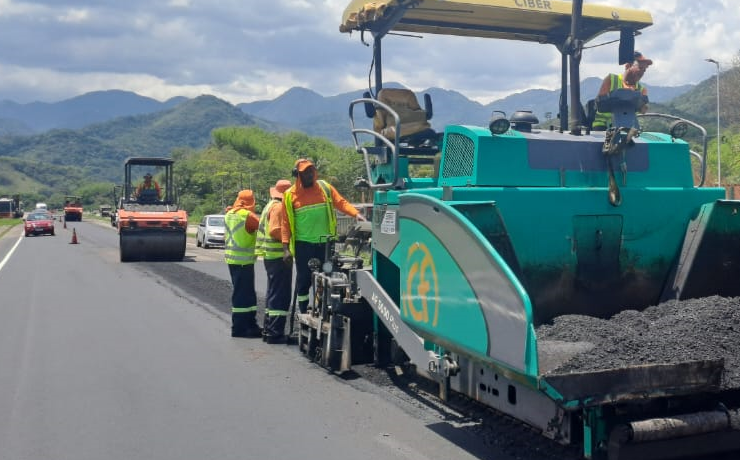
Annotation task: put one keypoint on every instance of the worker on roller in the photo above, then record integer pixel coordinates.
(279, 272)
(148, 184)
(241, 223)
(630, 79)
(309, 216)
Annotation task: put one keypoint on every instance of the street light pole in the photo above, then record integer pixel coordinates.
(719, 170)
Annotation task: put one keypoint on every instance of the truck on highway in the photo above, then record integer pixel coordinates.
(10, 207)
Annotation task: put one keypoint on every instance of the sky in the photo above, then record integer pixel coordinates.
(249, 50)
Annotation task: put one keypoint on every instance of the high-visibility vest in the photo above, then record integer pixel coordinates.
(267, 247)
(604, 119)
(328, 205)
(239, 243)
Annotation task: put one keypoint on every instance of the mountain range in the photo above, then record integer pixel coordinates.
(298, 109)
(77, 112)
(48, 148)
(99, 149)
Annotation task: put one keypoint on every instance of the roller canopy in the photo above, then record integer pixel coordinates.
(543, 21)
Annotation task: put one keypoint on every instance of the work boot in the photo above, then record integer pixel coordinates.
(273, 339)
(250, 333)
(254, 332)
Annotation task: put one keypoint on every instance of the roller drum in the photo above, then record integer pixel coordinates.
(152, 245)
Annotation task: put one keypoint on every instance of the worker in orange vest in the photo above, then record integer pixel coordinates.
(148, 184)
(279, 272)
(308, 217)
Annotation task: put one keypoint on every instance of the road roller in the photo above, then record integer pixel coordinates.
(151, 225)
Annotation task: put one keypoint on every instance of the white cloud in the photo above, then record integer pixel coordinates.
(74, 16)
(12, 8)
(38, 84)
(244, 50)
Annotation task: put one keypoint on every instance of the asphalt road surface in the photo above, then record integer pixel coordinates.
(122, 361)
(107, 360)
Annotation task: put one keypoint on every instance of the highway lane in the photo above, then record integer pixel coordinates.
(105, 360)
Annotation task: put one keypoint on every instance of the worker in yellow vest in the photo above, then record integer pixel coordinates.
(279, 272)
(630, 79)
(308, 217)
(240, 236)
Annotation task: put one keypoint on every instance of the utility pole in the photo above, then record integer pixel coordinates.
(223, 186)
(719, 170)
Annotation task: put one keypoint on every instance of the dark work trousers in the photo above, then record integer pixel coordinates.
(303, 253)
(243, 299)
(277, 302)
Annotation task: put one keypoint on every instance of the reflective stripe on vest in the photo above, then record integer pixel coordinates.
(604, 119)
(239, 242)
(290, 212)
(267, 247)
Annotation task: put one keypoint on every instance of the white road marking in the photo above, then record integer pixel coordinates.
(10, 253)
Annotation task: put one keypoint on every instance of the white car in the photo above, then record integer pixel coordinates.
(41, 206)
(211, 231)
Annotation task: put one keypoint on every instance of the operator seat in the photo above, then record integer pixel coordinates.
(148, 196)
(415, 127)
(589, 113)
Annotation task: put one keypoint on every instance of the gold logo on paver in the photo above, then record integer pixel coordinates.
(422, 289)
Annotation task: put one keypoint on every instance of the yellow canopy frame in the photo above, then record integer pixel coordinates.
(542, 21)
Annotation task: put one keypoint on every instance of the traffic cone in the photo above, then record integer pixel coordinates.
(65, 223)
(74, 237)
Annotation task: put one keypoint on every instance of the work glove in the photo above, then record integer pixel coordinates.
(287, 257)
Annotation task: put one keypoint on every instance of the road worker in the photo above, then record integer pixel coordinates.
(279, 271)
(630, 79)
(308, 217)
(241, 224)
(148, 184)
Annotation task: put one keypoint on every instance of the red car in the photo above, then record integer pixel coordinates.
(39, 223)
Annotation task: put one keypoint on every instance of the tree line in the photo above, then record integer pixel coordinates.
(241, 157)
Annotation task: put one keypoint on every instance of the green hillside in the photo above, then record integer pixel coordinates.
(249, 157)
(99, 150)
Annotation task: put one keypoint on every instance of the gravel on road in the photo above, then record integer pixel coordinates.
(668, 333)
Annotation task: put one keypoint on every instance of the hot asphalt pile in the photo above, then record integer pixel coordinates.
(672, 332)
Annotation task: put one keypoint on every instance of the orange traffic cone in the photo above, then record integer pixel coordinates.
(74, 237)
